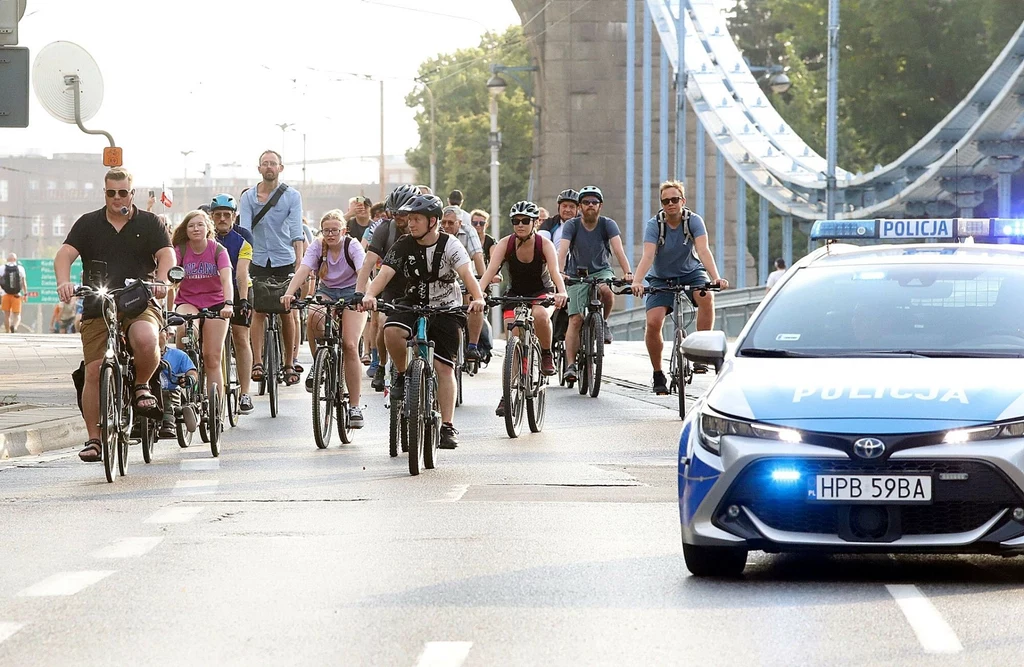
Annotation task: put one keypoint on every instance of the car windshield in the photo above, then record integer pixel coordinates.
(918, 309)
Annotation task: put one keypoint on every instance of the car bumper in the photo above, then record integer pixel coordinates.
(731, 499)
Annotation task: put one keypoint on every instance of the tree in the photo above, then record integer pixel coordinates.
(459, 83)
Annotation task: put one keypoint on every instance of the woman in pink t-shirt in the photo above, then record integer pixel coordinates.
(207, 284)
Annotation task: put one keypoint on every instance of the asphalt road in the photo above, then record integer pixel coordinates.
(558, 548)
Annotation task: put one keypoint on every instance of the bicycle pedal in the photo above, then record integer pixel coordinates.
(700, 371)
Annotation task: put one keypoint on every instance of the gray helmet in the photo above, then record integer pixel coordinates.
(399, 196)
(527, 208)
(592, 191)
(569, 195)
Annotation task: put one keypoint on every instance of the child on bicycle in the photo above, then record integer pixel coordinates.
(177, 370)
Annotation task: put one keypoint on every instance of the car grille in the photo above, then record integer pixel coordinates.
(957, 506)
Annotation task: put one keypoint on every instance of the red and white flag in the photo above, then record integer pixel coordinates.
(167, 198)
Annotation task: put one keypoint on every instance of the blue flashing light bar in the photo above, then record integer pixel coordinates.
(918, 229)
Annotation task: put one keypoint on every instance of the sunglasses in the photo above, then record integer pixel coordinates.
(119, 193)
(671, 200)
(479, 223)
(522, 221)
(590, 202)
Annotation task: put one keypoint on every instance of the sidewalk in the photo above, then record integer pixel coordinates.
(38, 410)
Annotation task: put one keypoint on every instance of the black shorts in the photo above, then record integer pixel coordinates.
(442, 329)
(271, 271)
(239, 318)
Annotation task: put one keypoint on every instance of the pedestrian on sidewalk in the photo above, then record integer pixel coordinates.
(64, 316)
(15, 292)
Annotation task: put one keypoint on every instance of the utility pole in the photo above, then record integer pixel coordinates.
(184, 182)
(832, 121)
(381, 140)
(433, 140)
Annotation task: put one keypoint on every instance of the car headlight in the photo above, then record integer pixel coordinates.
(992, 432)
(712, 426)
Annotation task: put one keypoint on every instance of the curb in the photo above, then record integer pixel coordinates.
(41, 438)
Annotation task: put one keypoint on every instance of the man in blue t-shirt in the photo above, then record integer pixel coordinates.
(682, 257)
(585, 249)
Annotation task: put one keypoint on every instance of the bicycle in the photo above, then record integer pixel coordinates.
(330, 393)
(521, 380)
(680, 371)
(590, 354)
(211, 420)
(117, 386)
(229, 376)
(420, 406)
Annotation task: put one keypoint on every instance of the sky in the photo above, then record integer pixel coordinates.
(216, 77)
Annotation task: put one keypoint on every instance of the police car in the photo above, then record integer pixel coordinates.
(873, 403)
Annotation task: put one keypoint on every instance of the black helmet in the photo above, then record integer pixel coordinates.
(399, 196)
(569, 195)
(427, 205)
(592, 191)
(527, 208)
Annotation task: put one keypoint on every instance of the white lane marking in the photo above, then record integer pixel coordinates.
(65, 583)
(129, 547)
(200, 464)
(454, 495)
(193, 487)
(7, 630)
(182, 514)
(444, 654)
(931, 629)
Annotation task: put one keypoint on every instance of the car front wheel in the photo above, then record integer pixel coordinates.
(723, 562)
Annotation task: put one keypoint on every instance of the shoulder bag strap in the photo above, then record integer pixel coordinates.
(271, 203)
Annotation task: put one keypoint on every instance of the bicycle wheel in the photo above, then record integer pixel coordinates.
(433, 430)
(273, 369)
(204, 420)
(110, 418)
(323, 397)
(513, 387)
(582, 360)
(231, 384)
(538, 393)
(341, 403)
(184, 435)
(596, 354)
(684, 371)
(558, 350)
(267, 344)
(396, 427)
(147, 428)
(216, 424)
(125, 421)
(416, 396)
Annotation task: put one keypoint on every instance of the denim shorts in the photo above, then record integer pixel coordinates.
(695, 278)
(337, 293)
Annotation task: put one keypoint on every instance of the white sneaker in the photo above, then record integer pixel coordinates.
(355, 417)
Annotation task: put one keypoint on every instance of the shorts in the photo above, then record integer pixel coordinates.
(695, 278)
(10, 303)
(578, 292)
(239, 318)
(442, 329)
(94, 332)
(346, 294)
(271, 271)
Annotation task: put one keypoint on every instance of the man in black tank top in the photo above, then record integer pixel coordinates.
(528, 255)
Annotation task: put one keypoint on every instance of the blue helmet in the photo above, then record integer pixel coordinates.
(223, 201)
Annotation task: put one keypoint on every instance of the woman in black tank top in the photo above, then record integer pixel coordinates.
(525, 278)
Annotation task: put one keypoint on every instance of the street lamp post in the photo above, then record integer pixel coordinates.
(495, 86)
(284, 128)
(433, 140)
(832, 121)
(496, 70)
(184, 181)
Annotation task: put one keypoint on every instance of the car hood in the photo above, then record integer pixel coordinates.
(864, 395)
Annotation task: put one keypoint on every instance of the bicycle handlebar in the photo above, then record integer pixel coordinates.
(320, 300)
(204, 314)
(614, 282)
(519, 301)
(706, 287)
(419, 310)
(89, 290)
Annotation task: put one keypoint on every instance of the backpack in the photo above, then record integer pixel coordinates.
(321, 267)
(11, 279)
(662, 230)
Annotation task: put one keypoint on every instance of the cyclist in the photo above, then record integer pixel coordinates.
(116, 242)
(451, 224)
(429, 260)
(240, 252)
(528, 254)
(335, 258)
(272, 211)
(479, 220)
(676, 252)
(358, 216)
(584, 249)
(552, 228)
(207, 285)
(180, 371)
(383, 239)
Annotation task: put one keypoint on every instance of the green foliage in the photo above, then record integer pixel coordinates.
(462, 115)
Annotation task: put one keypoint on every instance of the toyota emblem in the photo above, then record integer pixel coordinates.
(869, 448)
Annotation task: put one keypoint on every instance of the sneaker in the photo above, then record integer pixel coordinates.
(449, 437)
(570, 373)
(500, 410)
(372, 369)
(660, 384)
(309, 382)
(378, 378)
(607, 335)
(167, 430)
(547, 364)
(191, 419)
(245, 404)
(398, 388)
(355, 417)
(474, 354)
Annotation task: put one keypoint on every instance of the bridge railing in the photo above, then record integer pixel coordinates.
(732, 310)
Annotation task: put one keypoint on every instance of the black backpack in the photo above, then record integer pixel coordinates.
(11, 279)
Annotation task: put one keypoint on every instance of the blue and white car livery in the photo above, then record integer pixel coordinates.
(873, 402)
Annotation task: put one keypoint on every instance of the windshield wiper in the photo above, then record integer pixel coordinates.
(881, 353)
(773, 352)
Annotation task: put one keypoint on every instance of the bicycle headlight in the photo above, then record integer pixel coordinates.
(980, 433)
(712, 426)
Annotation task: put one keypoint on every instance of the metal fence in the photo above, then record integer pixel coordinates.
(732, 310)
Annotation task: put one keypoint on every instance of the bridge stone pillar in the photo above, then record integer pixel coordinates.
(580, 49)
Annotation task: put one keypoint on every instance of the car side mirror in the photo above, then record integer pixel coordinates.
(706, 347)
(176, 274)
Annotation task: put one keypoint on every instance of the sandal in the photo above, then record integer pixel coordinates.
(152, 411)
(257, 373)
(298, 368)
(291, 377)
(365, 359)
(91, 453)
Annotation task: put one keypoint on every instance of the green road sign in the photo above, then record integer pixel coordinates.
(42, 283)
